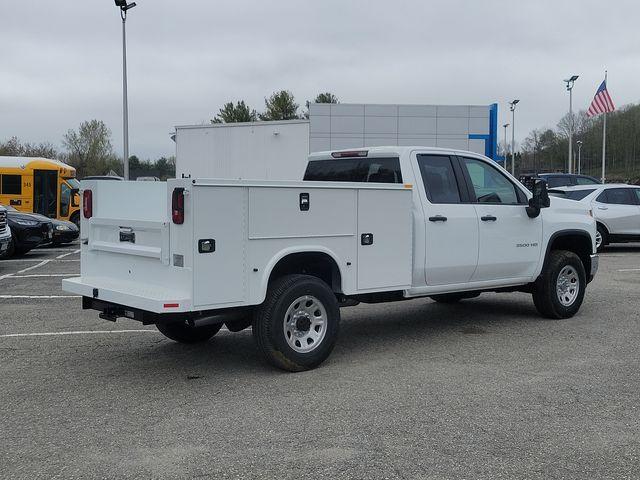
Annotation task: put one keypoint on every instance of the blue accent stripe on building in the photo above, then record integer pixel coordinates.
(491, 139)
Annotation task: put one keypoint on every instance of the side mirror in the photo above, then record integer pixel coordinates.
(539, 200)
(75, 197)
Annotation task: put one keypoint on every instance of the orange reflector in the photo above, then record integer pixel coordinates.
(171, 305)
(408, 185)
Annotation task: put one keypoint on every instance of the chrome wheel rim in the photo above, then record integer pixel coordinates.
(305, 324)
(598, 239)
(568, 285)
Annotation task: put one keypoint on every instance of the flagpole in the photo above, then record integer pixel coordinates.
(604, 135)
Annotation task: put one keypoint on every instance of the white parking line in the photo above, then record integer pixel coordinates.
(22, 260)
(67, 254)
(86, 332)
(9, 297)
(37, 275)
(44, 262)
(629, 270)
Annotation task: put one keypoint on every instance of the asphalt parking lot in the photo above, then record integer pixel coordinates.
(482, 389)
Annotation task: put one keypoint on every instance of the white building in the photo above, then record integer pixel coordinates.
(278, 150)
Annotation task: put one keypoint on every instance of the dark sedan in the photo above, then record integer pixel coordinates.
(64, 232)
(28, 230)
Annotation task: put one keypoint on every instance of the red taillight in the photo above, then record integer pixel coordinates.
(87, 203)
(177, 206)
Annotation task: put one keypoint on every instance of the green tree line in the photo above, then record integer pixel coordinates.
(547, 149)
(89, 149)
(279, 105)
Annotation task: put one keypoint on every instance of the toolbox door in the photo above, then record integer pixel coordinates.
(219, 244)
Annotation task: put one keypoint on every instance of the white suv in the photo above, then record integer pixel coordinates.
(616, 208)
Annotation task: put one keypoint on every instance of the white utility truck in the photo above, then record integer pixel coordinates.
(367, 225)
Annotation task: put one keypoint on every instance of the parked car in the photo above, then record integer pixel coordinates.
(64, 232)
(5, 232)
(558, 179)
(616, 208)
(28, 230)
(147, 179)
(103, 177)
(370, 225)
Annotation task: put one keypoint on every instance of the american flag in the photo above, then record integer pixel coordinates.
(602, 102)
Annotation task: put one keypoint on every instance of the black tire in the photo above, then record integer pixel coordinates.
(545, 295)
(75, 218)
(269, 323)
(11, 250)
(453, 297)
(604, 235)
(182, 332)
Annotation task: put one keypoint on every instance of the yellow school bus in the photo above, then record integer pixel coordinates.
(40, 185)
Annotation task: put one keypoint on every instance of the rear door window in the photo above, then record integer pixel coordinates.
(372, 170)
(586, 181)
(439, 177)
(617, 196)
(553, 182)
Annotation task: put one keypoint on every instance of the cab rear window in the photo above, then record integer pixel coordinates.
(372, 170)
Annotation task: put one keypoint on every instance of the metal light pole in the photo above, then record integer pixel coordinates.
(570, 83)
(513, 136)
(123, 6)
(505, 144)
(579, 143)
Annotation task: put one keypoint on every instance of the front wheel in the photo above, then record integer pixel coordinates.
(297, 326)
(182, 332)
(559, 291)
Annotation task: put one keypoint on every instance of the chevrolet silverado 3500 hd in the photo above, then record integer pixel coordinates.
(366, 225)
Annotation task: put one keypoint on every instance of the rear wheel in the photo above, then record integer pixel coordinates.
(297, 326)
(560, 289)
(182, 332)
(453, 297)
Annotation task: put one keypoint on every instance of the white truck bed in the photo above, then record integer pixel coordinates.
(254, 226)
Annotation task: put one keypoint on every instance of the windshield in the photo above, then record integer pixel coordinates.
(573, 194)
(73, 182)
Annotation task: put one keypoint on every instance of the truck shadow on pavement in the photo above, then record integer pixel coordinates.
(365, 330)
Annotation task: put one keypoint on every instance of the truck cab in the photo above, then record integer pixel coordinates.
(364, 225)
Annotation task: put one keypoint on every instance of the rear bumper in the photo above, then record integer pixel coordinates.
(595, 263)
(64, 237)
(131, 295)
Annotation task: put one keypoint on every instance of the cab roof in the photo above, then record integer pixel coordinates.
(389, 150)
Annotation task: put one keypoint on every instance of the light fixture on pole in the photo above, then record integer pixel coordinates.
(506, 150)
(124, 7)
(513, 135)
(579, 143)
(570, 81)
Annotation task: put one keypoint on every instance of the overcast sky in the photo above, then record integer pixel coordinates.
(61, 60)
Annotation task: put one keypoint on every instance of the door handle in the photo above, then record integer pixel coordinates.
(603, 208)
(438, 218)
(488, 218)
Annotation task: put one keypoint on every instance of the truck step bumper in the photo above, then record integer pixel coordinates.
(129, 294)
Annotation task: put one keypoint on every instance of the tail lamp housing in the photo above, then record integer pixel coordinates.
(177, 206)
(87, 203)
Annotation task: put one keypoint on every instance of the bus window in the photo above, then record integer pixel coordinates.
(11, 185)
(65, 199)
